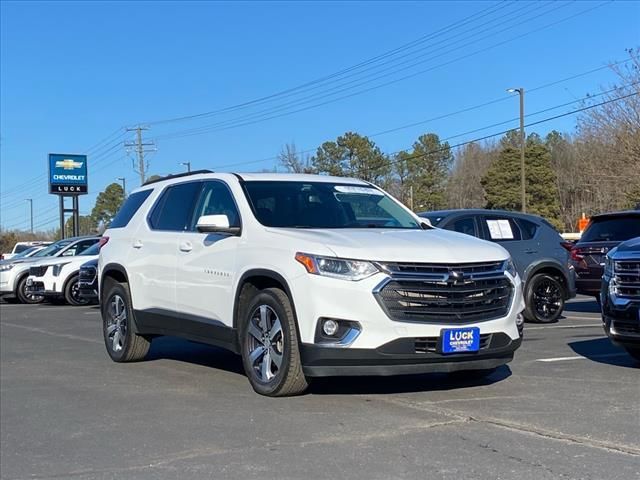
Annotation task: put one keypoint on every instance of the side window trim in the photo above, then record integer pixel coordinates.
(161, 200)
(191, 228)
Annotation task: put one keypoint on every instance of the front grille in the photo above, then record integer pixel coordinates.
(87, 274)
(430, 344)
(627, 278)
(439, 293)
(38, 271)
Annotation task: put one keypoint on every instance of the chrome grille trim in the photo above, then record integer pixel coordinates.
(626, 275)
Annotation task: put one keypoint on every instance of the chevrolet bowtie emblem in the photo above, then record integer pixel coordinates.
(68, 164)
(455, 277)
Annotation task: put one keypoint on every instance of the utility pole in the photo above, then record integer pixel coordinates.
(522, 147)
(411, 197)
(124, 185)
(30, 200)
(188, 165)
(139, 147)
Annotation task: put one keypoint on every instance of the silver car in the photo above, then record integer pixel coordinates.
(540, 254)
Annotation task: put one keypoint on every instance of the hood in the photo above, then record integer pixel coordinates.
(387, 245)
(630, 248)
(21, 260)
(79, 259)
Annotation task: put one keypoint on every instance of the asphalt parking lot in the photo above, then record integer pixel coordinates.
(567, 407)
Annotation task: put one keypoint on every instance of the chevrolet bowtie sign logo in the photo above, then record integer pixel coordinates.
(67, 174)
(68, 164)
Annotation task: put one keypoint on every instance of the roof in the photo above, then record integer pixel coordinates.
(624, 213)
(477, 211)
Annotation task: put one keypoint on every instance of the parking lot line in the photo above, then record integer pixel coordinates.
(580, 357)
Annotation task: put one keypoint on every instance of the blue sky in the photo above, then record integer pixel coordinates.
(73, 74)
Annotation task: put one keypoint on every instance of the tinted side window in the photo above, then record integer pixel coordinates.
(527, 228)
(20, 248)
(174, 207)
(465, 225)
(216, 199)
(501, 229)
(129, 208)
(79, 247)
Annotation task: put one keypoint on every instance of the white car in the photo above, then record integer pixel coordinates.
(304, 276)
(14, 273)
(20, 247)
(57, 278)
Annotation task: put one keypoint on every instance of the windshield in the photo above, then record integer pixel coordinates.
(616, 229)
(26, 253)
(92, 250)
(52, 249)
(325, 205)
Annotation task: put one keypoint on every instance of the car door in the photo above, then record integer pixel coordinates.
(207, 264)
(154, 254)
(503, 230)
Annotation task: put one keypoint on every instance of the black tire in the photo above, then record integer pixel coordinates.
(127, 346)
(23, 296)
(544, 299)
(634, 352)
(288, 379)
(71, 292)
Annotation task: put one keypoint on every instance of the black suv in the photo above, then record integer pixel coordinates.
(539, 253)
(620, 296)
(603, 233)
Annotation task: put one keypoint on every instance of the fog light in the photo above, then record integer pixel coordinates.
(330, 327)
(519, 320)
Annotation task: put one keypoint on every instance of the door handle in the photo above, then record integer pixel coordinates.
(137, 244)
(185, 247)
(531, 251)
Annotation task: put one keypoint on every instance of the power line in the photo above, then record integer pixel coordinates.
(266, 115)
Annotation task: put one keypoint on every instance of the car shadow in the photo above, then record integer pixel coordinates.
(173, 348)
(601, 350)
(403, 383)
(589, 306)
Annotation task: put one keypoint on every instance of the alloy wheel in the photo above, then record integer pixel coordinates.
(265, 342)
(117, 323)
(547, 298)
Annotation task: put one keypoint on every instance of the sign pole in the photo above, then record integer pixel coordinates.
(76, 217)
(61, 216)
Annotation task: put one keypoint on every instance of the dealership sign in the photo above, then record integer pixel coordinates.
(67, 174)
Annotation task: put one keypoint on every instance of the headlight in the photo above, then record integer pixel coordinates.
(509, 266)
(609, 266)
(6, 268)
(57, 268)
(345, 269)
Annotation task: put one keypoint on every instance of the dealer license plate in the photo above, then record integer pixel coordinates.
(457, 340)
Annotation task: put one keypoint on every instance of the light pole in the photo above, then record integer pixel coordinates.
(188, 165)
(124, 185)
(30, 200)
(522, 147)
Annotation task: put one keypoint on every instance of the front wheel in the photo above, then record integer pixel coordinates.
(544, 299)
(26, 297)
(269, 343)
(118, 326)
(72, 293)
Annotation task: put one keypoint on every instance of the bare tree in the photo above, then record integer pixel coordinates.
(294, 161)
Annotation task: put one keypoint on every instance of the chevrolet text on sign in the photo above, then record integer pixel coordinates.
(67, 174)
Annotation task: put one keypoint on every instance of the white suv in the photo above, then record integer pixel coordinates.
(304, 276)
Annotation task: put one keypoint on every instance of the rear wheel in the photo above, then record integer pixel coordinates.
(118, 326)
(269, 343)
(544, 299)
(24, 296)
(72, 292)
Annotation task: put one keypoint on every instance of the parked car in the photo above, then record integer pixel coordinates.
(88, 281)
(21, 247)
(620, 296)
(539, 253)
(29, 252)
(58, 278)
(14, 273)
(304, 276)
(603, 233)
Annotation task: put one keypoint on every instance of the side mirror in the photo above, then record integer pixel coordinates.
(426, 224)
(216, 224)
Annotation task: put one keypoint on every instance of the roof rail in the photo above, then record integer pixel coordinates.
(177, 175)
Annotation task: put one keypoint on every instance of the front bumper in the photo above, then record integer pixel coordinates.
(37, 287)
(621, 320)
(399, 357)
